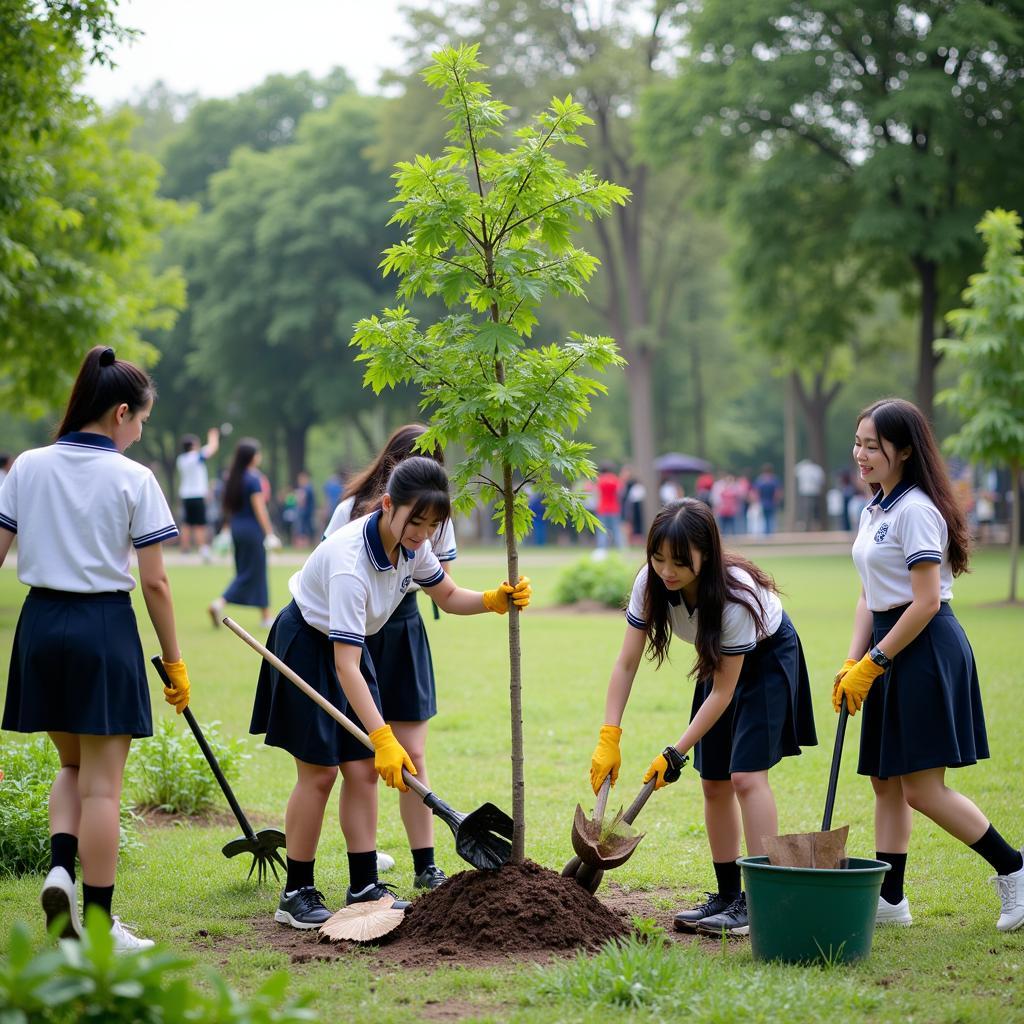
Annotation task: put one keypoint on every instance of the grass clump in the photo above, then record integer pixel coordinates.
(29, 769)
(168, 771)
(607, 581)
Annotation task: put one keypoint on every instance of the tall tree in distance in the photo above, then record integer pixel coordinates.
(989, 393)
(488, 227)
(915, 106)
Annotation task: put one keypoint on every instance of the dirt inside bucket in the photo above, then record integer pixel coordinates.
(517, 909)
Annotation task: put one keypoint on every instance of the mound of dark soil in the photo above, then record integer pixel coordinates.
(520, 908)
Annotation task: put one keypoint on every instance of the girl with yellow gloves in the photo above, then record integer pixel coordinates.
(751, 705)
(347, 590)
(910, 664)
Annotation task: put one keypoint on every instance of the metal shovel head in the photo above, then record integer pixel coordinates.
(483, 837)
(586, 841)
(263, 847)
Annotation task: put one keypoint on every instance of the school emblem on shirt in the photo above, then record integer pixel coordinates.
(881, 532)
(405, 584)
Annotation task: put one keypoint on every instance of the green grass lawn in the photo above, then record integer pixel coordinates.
(950, 966)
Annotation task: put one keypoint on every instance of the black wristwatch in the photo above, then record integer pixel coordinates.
(676, 763)
(879, 657)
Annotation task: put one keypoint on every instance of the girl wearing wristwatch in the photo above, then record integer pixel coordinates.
(925, 714)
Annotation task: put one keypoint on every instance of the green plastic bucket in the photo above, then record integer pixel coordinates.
(800, 915)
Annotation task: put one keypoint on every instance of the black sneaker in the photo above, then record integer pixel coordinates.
(430, 878)
(687, 920)
(375, 891)
(304, 908)
(733, 920)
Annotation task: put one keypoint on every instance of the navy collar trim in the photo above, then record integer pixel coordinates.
(375, 546)
(84, 439)
(892, 497)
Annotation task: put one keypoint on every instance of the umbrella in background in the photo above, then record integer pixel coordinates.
(676, 462)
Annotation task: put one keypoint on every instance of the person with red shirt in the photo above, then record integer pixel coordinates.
(609, 506)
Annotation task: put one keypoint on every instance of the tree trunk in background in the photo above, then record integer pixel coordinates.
(1015, 481)
(789, 455)
(815, 405)
(295, 450)
(641, 424)
(927, 357)
(697, 382)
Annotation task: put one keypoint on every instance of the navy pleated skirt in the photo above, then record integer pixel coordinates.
(405, 673)
(77, 666)
(249, 587)
(770, 714)
(925, 710)
(287, 716)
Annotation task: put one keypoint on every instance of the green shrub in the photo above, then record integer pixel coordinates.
(607, 581)
(88, 981)
(168, 771)
(29, 769)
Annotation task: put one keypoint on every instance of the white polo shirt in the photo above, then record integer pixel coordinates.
(193, 480)
(78, 507)
(896, 533)
(739, 627)
(348, 587)
(442, 543)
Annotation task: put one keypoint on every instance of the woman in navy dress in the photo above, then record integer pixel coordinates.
(925, 714)
(78, 507)
(252, 534)
(751, 704)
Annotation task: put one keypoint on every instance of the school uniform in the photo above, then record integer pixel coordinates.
(770, 714)
(925, 711)
(249, 587)
(401, 650)
(193, 485)
(345, 593)
(78, 507)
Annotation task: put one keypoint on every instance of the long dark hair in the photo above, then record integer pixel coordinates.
(103, 382)
(683, 525)
(369, 484)
(245, 452)
(903, 425)
(423, 484)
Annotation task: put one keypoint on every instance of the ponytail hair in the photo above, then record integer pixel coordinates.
(367, 487)
(683, 525)
(245, 452)
(103, 382)
(423, 484)
(903, 425)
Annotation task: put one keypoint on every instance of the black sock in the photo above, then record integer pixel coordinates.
(422, 858)
(892, 880)
(998, 852)
(728, 874)
(300, 873)
(362, 870)
(101, 896)
(63, 850)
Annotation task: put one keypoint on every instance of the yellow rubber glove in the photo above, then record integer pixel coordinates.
(389, 758)
(666, 767)
(837, 700)
(178, 693)
(855, 684)
(606, 758)
(497, 600)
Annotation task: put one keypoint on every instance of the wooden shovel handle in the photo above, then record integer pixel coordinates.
(638, 804)
(346, 723)
(602, 798)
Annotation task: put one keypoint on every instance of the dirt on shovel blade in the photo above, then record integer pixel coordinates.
(520, 908)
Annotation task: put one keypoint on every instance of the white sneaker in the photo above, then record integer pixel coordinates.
(385, 862)
(1011, 896)
(124, 941)
(894, 913)
(59, 897)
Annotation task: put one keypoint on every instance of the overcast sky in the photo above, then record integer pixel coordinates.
(223, 47)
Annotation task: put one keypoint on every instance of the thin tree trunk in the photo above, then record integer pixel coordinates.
(927, 358)
(515, 680)
(1014, 528)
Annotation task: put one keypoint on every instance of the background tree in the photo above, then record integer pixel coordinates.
(914, 105)
(79, 214)
(489, 229)
(989, 394)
